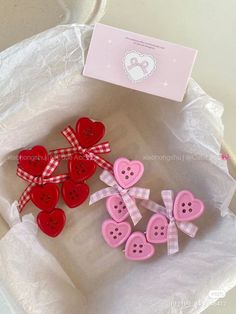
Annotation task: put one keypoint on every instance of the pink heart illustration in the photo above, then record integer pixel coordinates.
(186, 207)
(137, 248)
(126, 172)
(115, 233)
(117, 208)
(157, 229)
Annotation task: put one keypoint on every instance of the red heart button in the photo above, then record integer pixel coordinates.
(89, 132)
(45, 196)
(81, 169)
(74, 194)
(52, 223)
(33, 160)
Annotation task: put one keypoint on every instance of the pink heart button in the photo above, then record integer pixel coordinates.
(157, 229)
(137, 248)
(186, 207)
(127, 172)
(117, 208)
(115, 233)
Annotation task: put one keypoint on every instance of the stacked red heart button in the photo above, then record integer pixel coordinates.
(89, 132)
(75, 191)
(34, 167)
(45, 196)
(33, 160)
(52, 223)
(81, 169)
(74, 194)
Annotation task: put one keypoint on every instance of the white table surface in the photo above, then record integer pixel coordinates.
(207, 25)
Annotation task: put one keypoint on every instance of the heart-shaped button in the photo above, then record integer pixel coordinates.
(157, 229)
(74, 194)
(33, 160)
(126, 172)
(89, 132)
(52, 223)
(115, 233)
(139, 66)
(81, 169)
(186, 207)
(117, 208)
(137, 248)
(45, 196)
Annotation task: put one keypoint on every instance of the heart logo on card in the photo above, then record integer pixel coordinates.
(139, 66)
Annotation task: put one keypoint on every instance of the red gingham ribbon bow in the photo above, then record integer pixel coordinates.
(43, 179)
(87, 153)
(172, 232)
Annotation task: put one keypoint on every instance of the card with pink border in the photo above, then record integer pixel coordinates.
(139, 62)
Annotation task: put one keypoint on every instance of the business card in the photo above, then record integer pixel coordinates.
(139, 62)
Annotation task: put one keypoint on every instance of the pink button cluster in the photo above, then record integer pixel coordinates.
(140, 245)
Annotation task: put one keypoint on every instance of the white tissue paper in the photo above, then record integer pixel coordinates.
(42, 91)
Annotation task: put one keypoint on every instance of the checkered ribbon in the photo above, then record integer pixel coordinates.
(87, 153)
(43, 179)
(126, 194)
(172, 232)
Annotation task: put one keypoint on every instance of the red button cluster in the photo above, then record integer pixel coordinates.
(34, 166)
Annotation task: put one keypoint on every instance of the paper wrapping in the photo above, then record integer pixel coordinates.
(42, 91)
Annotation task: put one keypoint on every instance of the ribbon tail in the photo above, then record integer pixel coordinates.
(24, 175)
(154, 207)
(97, 196)
(108, 178)
(51, 167)
(57, 179)
(102, 148)
(172, 238)
(102, 163)
(25, 197)
(70, 135)
(63, 153)
(188, 228)
(168, 200)
(133, 210)
(139, 193)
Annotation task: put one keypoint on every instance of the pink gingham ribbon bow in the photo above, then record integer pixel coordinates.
(41, 180)
(87, 153)
(172, 231)
(126, 194)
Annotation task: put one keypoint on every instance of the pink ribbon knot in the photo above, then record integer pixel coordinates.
(41, 180)
(134, 63)
(127, 195)
(87, 153)
(173, 226)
